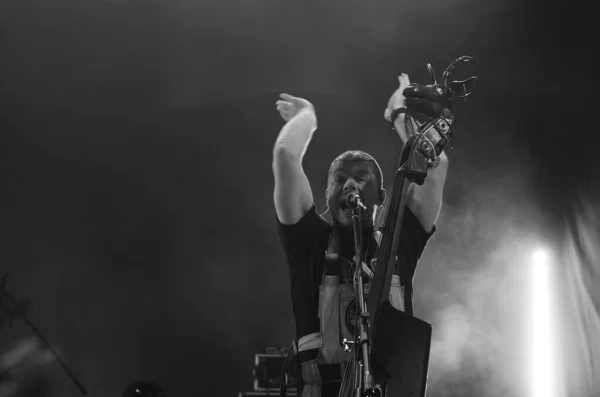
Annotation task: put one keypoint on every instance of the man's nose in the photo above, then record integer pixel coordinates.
(351, 185)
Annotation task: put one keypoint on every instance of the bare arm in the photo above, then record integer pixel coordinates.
(293, 195)
(425, 201)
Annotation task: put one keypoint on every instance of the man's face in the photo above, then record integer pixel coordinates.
(354, 176)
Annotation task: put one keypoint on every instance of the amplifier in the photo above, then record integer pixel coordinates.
(267, 372)
(273, 349)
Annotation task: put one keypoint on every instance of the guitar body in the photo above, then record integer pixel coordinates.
(400, 353)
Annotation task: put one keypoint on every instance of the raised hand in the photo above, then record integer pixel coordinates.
(397, 99)
(289, 106)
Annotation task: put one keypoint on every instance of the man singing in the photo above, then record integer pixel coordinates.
(320, 248)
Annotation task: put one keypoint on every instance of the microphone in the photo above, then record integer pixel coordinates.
(353, 201)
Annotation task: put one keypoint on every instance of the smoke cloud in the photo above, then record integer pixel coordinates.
(578, 291)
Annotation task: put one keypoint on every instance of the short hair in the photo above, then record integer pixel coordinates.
(359, 155)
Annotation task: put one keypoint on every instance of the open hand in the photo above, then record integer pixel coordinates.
(289, 106)
(397, 99)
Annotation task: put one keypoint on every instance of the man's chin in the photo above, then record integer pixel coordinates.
(344, 218)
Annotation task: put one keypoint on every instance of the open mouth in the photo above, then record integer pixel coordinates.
(343, 207)
(342, 204)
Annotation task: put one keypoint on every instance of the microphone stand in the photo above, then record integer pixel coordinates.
(12, 309)
(363, 379)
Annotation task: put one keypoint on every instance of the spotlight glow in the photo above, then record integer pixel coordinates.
(541, 327)
(540, 260)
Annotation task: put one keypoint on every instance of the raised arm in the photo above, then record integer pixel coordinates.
(424, 201)
(293, 196)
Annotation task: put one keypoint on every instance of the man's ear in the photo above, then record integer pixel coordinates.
(382, 196)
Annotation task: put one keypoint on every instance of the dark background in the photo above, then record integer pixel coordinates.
(136, 188)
